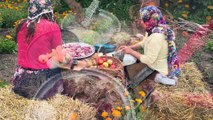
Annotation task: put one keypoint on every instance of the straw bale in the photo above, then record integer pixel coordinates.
(189, 81)
(190, 99)
(14, 107)
(183, 106)
(11, 105)
(66, 106)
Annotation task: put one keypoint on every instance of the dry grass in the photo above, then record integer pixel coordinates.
(13, 107)
(189, 81)
(189, 100)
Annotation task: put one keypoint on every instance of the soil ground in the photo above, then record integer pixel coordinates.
(7, 66)
(204, 61)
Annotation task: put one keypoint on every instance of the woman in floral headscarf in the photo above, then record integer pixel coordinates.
(36, 35)
(160, 53)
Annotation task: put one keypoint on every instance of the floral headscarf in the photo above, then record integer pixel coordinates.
(39, 7)
(152, 12)
(149, 12)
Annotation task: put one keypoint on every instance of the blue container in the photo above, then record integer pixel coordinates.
(105, 48)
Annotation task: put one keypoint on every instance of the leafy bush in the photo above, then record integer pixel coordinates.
(118, 7)
(199, 11)
(12, 11)
(209, 46)
(7, 46)
(60, 6)
(1, 20)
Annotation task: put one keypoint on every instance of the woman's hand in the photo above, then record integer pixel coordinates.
(121, 47)
(128, 50)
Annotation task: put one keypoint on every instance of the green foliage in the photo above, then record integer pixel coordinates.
(1, 21)
(12, 12)
(118, 7)
(84, 3)
(209, 46)
(193, 10)
(60, 6)
(66, 21)
(3, 84)
(102, 25)
(7, 46)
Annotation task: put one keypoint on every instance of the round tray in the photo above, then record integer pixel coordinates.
(77, 45)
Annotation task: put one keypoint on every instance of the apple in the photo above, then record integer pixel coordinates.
(104, 59)
(99, 61)
(113, 66)
(105, 64)
(109, 61)
(101, 66)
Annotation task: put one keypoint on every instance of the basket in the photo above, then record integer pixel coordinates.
(117, 72)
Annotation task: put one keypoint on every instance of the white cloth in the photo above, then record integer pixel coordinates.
(159, 78)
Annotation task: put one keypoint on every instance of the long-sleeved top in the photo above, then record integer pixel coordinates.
(155, 52)
(47, 37)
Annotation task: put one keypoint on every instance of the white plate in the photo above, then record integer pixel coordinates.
(127, 60)
(82, 45)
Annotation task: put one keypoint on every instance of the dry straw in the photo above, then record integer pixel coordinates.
(13, 107)
(189, 100)
(189, 81)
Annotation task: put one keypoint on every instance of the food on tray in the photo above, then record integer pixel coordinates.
(79, 50)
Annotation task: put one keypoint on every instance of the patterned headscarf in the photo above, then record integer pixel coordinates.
(39, 7)
(152, 12)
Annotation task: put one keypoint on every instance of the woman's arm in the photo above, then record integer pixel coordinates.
(137, 45)
(132, 52)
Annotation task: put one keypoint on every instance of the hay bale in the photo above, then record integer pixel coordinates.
(13, 107)
(188, 100)
(189, 81)
(40, 110)
(65, 106)
(183, 106)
